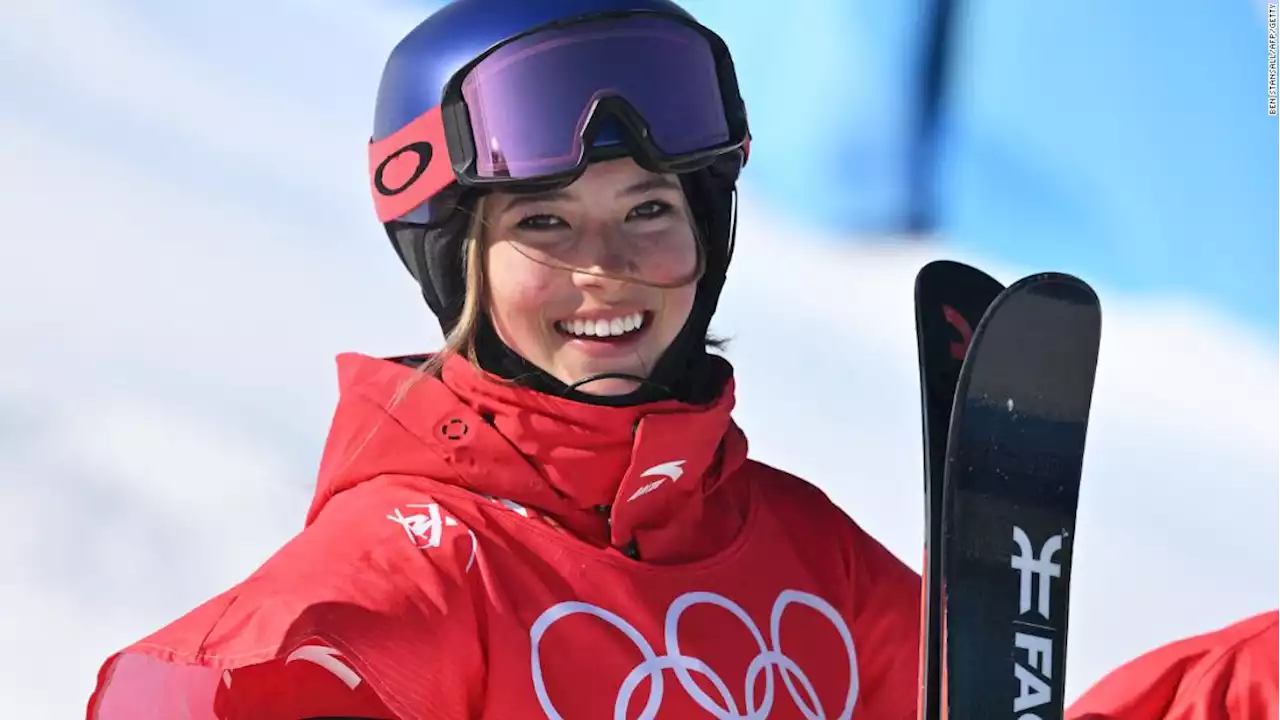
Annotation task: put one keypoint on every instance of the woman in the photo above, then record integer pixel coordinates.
(555, 516)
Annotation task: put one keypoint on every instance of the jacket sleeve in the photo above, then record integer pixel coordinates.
(348, 618)
(1227, 674)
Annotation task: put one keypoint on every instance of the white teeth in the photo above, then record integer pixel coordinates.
(603, 328)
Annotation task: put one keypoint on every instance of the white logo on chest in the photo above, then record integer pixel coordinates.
(425, 529)
(673, 471)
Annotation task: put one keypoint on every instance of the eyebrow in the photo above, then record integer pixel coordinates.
(653, 182)
(650, 183)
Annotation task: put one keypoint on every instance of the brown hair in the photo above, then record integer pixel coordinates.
(461, 340)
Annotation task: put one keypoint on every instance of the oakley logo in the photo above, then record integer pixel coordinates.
(770, 656)
(673, 470)
(402, 168)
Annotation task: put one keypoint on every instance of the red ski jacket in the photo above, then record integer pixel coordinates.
(1228, 674)
(478, 550)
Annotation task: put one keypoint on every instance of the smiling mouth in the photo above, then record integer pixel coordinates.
(605, 329)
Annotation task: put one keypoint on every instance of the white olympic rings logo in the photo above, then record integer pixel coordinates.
(653, 665)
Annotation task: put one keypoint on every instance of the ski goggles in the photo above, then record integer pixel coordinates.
(530, 113)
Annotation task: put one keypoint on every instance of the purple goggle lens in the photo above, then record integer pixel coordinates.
(529, 101)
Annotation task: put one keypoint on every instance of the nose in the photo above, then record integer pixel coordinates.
(605, 261)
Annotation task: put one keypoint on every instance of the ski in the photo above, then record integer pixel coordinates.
(950, 299)
(1015, 449)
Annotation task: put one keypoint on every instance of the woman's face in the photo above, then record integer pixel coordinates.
(596, 278)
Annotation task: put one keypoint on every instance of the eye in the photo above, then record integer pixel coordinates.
(540, 222)
(649, 210)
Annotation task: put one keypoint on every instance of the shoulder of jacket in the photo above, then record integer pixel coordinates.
(1236, 657)
(804, 508)
(808, 508)
(781, 487)
(1257, 632)
(1231, 669)
(387, 537)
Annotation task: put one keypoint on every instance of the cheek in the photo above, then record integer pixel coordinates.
(519, 296)
(670, 258)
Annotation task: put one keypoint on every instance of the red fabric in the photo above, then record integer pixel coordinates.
(1228, 674)
(465, 557)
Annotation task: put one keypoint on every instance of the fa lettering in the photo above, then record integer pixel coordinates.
(1033, 664)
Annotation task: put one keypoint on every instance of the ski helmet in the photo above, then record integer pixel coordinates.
(520, 95)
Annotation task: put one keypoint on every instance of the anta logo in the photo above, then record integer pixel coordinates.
(327, 658)
(666, 471)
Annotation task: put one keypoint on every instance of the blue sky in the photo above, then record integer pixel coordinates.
(186, 241)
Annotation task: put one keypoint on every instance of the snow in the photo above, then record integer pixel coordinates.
(178, 278)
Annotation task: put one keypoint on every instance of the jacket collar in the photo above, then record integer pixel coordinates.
(621, 476)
